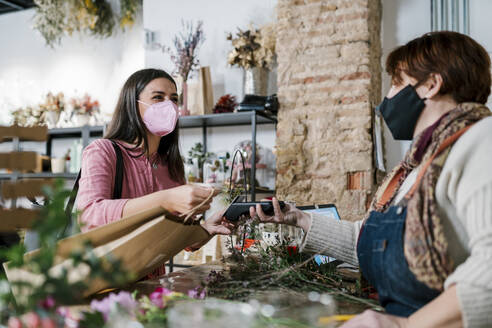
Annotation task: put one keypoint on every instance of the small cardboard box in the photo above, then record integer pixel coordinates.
(31, 133)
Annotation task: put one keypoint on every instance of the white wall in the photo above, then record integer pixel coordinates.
(219, 17)
(405, 20)
(481, 25)
(29, 69)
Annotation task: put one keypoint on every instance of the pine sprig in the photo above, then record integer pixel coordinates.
(281, 267)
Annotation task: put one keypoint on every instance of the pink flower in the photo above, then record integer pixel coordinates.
(157, 297)
(63, 311)
(198, 293)
(32, 320)
(48, 323)
(163, 291)
(47, 303)
(124, 299)
(103, 306)
(70, 321)
(14, 323)
(157, 300)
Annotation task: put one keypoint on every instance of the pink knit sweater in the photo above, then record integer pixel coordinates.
(97, 181)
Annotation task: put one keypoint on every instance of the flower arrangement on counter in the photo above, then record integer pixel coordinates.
(53, 103)
(123, 308)
(115, 310)
(57, 18)
(253, 47)
(186, 45)
(46, 112)
(84, 105)
(27, 116)
(55, 108)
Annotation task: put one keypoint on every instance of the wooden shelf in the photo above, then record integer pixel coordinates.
(94, 131)
(44, 175)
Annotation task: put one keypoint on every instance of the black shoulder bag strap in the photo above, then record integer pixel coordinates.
(118, 185)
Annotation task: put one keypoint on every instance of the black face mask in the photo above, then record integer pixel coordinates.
(401, 112)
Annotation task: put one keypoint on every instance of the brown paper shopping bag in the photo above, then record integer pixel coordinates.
(142, 242)
(201, 94)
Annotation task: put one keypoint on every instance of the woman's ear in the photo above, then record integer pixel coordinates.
(433, 86)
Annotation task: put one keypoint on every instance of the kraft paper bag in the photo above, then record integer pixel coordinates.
(142, 242)
(201, 94)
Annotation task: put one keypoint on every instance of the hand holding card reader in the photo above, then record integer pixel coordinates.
(239, 208)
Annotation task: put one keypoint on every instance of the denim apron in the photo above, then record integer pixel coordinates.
(381, 256)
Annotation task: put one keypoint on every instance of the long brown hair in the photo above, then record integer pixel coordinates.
(127, 125)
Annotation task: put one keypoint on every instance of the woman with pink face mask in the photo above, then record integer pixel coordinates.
(144, 127)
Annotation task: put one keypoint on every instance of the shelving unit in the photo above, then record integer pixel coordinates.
(42, 175)
(252, 118)
(85, 132)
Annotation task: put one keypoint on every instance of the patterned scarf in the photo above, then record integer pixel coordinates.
(425, 246)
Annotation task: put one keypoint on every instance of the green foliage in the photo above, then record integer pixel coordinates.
(54, 285)
(92, 320)
(128, 12)
(281, 267)
(198, 152)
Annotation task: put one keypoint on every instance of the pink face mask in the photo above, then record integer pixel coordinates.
(160, 118)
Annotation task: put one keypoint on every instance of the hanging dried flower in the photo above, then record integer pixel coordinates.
(253, 47)
(128, 12)
(186, 44)
(57, 18)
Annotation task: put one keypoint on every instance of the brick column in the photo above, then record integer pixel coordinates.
(329, 79)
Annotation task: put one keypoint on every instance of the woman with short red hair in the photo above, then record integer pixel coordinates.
(426, 242)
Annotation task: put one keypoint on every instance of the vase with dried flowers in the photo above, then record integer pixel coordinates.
(254, 51)
(185, 56)
(83, 108)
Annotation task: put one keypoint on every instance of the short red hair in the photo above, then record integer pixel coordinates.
(463, 64)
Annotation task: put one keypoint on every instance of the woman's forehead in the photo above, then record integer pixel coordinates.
(160, 84)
